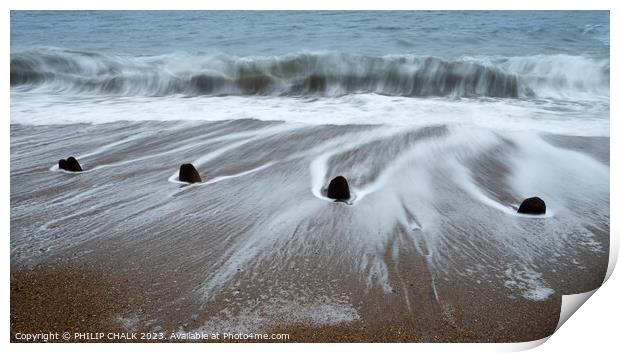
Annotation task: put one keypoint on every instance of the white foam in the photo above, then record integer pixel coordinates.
(175, 177)
(253, 136)
(528, 283)
(588, 118)
(322, 310)
(463, 178)
(318, 166)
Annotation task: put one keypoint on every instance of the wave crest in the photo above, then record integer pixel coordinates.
(311, 74)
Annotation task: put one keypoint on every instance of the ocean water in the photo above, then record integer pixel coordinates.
(523, 70)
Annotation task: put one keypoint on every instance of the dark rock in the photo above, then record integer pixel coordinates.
(189, 174)
(338, 189)
(70, 164)
(73, 165)
(533, 205)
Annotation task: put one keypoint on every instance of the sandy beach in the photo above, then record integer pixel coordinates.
(430, 249)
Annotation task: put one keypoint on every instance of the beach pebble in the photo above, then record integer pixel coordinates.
(338, 189)
(189, 174)
(70, 164)
(533, 205)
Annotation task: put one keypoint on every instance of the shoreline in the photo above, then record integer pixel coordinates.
(261, 253)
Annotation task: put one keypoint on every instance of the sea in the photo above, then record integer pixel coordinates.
(517, 70)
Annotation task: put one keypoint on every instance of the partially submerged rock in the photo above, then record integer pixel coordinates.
(533, 205)
(189, 174)
(338, 189)
(70, 164)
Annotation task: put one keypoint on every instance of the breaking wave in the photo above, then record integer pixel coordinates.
(307, 74)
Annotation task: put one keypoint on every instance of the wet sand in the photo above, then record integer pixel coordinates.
(68, 297)
(82, 298)
(428, 251)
